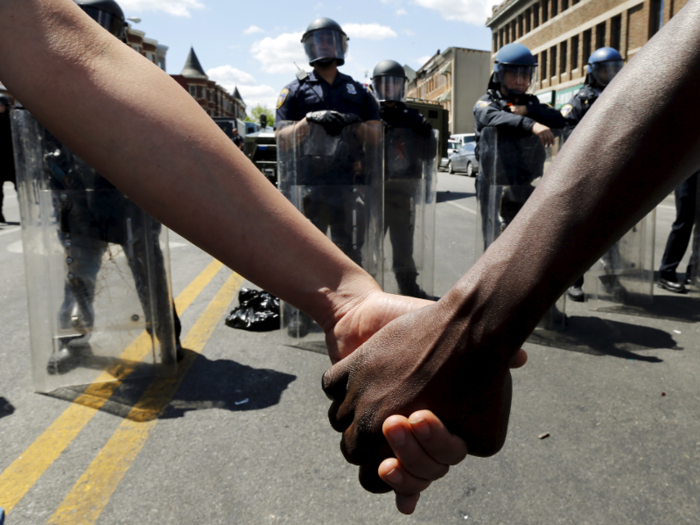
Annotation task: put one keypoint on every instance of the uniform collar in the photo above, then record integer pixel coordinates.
(340, 77)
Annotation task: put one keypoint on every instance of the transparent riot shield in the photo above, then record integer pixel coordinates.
(337, 183)
(97, 270)
(511, 167)
(624, 275)
(410, 177)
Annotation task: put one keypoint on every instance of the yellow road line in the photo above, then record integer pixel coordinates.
(91, 493)
(20, 476)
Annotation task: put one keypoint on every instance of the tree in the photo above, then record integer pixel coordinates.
(259, 110)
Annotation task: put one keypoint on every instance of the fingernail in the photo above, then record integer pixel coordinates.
(395, 476)
(421, 428)
(397, 435)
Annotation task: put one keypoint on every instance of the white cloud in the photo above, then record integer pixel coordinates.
(401, 12)
(422, 60)
(264, 95)
(469, 11)
(228, 77)
(369, 31)
(253, 93)
(277, 55)
(408, 32)
(172, 7)
(252, 29)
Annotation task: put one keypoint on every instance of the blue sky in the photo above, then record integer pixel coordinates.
(253, 44)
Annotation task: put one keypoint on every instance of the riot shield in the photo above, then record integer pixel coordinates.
(624, 275)
(410, 177)
(337, 183)
(511, 167)
(97, 270)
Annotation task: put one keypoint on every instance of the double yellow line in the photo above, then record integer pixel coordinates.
(91, 493)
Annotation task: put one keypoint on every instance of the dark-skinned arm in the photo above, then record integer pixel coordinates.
(456, 353)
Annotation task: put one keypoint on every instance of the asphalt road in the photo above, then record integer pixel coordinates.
(243, 436)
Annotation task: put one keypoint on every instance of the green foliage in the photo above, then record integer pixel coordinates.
(259, 110)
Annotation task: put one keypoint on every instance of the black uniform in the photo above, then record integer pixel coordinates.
(519, 158)
(579, 105)
(91, 215)
(681, 231)
(312, 93)
(408, 143)
(330, 207)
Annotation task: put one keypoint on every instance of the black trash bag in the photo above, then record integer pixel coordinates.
(258, 311)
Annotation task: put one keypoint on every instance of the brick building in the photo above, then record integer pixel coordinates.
(562, 34)
(213, 98)
(147, 47)
(454, 79)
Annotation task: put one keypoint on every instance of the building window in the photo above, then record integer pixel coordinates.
(527, 21)
(564, 5)
(615, 31)
(656, 16)
(543, 66)
(552, 61)
(574, 52)
(586, 45)
(562, 57)
(520, 26)
(536, 18)
(554, 8)
(600, 35)
(545, 10)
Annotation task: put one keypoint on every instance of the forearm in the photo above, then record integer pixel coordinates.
(170, 157)
(599, 186)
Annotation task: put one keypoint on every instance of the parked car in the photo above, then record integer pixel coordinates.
(463, 138)
(464, 160)
(452, 146)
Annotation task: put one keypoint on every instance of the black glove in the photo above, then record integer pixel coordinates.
(332, 121)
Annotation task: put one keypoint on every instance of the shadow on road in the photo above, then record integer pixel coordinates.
(222, 384)
(682, 308)
(445, 196)
(601, 337)
(6, 408)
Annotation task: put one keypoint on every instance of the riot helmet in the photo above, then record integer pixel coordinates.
(325, 41)
(263, 120)
(108, 14)
(388, 81)
(603, 65)
(514, 69)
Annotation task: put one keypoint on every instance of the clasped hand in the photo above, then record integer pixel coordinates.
(415, 366)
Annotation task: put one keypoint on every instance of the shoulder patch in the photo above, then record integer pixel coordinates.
(483, 103)
(566, 109)
(282, 97)
(351, 89)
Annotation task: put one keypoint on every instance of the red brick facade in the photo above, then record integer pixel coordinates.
(563, 33)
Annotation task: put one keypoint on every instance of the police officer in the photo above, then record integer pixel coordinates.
(403, 162)
(325, 96)
(332, 100)
(91, 217)
(517, 115)
(602, 65)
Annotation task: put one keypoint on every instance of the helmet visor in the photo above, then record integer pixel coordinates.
(325, 44)
(517, 80)
(107, 20)
(388, 88)
(604, 72)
